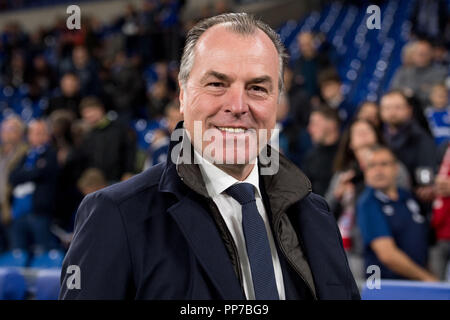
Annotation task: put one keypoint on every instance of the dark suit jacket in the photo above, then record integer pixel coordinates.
(154, 237)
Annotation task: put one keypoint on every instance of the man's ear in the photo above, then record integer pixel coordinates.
(181, 97)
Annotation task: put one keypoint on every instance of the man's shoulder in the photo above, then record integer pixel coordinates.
(314, 202)
(145, 180)
(366, 197)
(436, 70)
(420, 137)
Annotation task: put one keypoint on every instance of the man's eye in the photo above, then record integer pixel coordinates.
(258, 89)
(215, 84)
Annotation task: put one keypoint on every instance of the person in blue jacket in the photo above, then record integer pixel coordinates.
(33, 184)
(218, 219)
(393, 228)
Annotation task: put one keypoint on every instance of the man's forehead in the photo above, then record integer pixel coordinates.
(381, 154)
(221, 36)
(392, 98)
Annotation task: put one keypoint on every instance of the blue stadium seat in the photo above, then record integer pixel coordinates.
(407, 290)
(144, 130)
(47, 284)
(14, 258)
(12, 284)
(48, 259)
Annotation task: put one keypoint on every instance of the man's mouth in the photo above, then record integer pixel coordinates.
(232, 129)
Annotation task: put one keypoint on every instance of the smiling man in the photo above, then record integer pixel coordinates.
(214, 224)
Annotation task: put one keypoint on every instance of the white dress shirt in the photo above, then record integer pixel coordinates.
(216, 182)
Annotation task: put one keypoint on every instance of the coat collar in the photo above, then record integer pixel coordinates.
(285, 185)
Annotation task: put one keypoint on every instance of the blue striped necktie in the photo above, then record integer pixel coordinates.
(257, 242)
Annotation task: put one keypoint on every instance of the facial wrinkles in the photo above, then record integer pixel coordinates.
(216, 114)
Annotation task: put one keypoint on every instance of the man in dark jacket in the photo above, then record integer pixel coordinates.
(69, 98)
(324, 131)
(215, 221)
(108, 145)
(409, 142)
(33, 183)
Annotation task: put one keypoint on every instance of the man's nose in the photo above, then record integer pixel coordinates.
(237, 103)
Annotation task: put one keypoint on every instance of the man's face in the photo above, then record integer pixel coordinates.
(11, 132)
(320, 127)
(422, 54)
(306, 44)
(369, 112)
(439, 97)
(395, 110)
(92, 115)
(38, 134)
(330, 90)
(361, 135)
(381, 170)
(80, 56)
(70, 85)
(232, 92)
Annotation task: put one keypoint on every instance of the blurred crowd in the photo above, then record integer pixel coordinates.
(384, 169)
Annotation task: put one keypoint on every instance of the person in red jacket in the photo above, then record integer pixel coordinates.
(441, 216)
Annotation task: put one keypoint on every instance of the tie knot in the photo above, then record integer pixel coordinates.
(242, 192)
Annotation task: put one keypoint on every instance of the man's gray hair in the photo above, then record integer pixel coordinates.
(240, 23)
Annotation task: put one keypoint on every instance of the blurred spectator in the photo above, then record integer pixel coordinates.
(34, 185)
(418, 78)
(309, 65)
(69, 98)
(331, 91)
(410, 143)
(293, 139)
(278, 140)
(318, 163)
(91, 180)
(407, 55)
(42, 75)
(148, 26)
(108, 145)
(129, 23)
(438, 113)
(348, 178)
(170, 27)
(440, 254)
(61, 121)
(299, 101)
(429, 18)
(125, 88)
(391, 223)
(17, 72)
(12, 149)
(440, 54)
(67, 196)
(159, 145)
(369, 111)
(173, 116)
(81, 64)
(159, 98)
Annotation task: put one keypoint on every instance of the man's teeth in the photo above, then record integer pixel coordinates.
(231, 130)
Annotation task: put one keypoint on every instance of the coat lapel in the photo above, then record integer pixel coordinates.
(201, 233)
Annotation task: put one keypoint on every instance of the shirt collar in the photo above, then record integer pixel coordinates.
(217, 180)
(385, 199)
